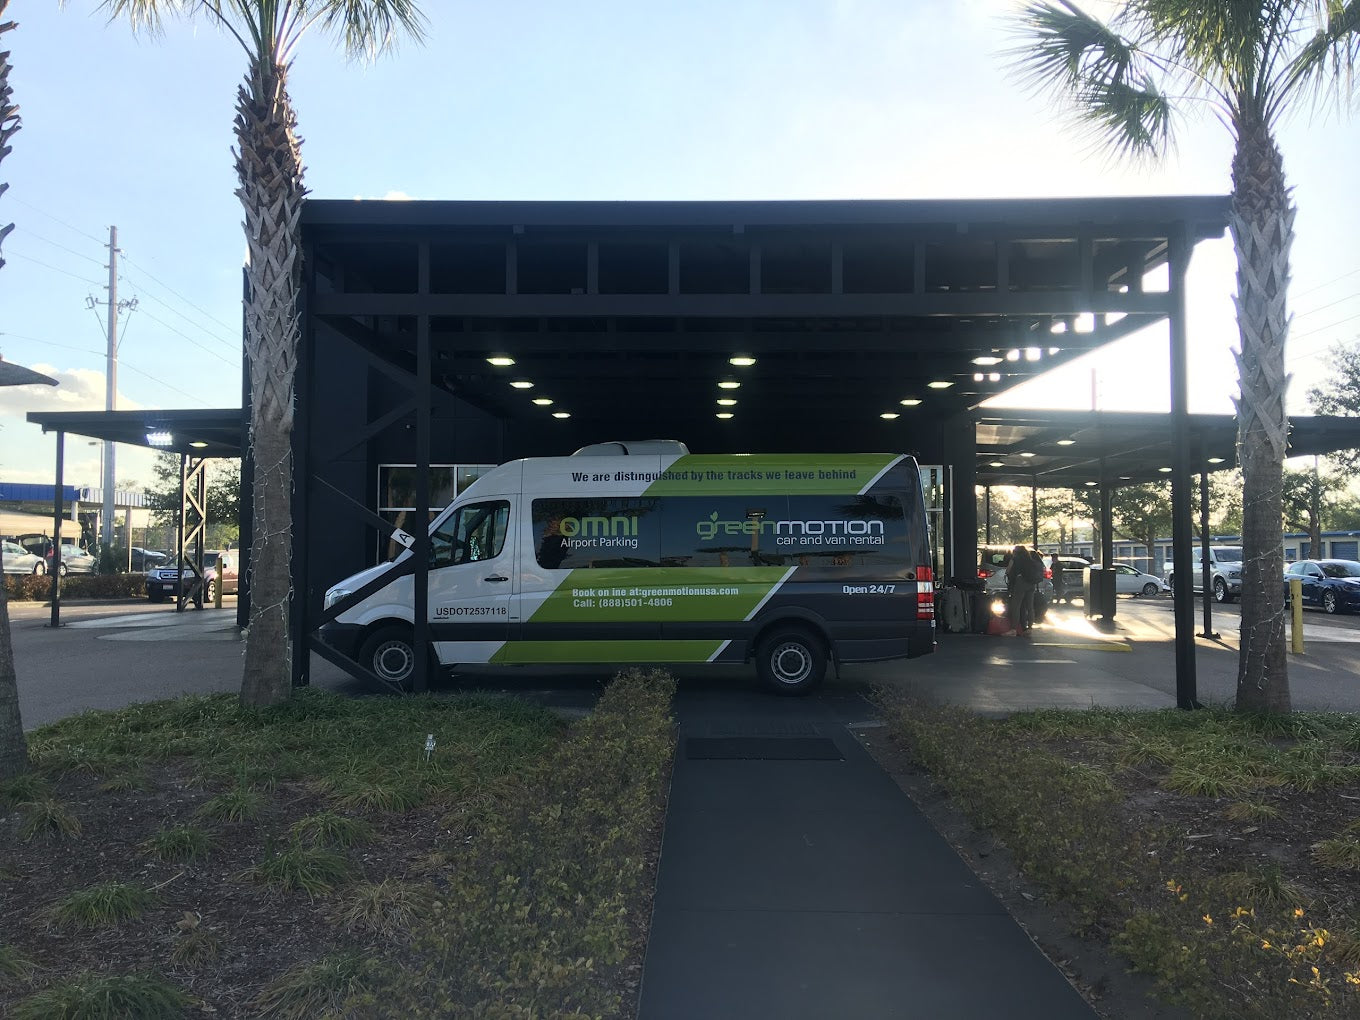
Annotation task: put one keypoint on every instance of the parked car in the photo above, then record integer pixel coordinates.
(19, 560)
(1073, 570)
(1225, 572)
(1332, 584)
(224, 563)
(162, 582)
(144, 559)
(74, 560)
(992, 563)
(1129, 580)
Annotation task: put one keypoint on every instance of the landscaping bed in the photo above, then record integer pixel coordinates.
(193, 858)
(1218, 854)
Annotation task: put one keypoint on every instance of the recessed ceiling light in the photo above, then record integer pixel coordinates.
(1165, 471)
(728, 384)
(1027, 455)
(890, 415)
(987, 359)
(1084, 323)
(724, 415)
(521, 384)
(726, 402)
(1066, 442)
(995, 463)
(543, 401)
(1054, 350)
(1092, 484)
(939, 384)
(741, 360)
(1058, 327)
(978, 377)
(909, 401)
(993, 376)
(561, 414)
(1032, 353)
(1012, 355)
(500, 360)
(159, 438)
(198, 445)
(1215, 460)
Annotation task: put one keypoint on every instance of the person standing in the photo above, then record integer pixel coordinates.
(1021, 580)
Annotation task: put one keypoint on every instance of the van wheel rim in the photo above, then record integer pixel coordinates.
(790, 663)
(393, 660)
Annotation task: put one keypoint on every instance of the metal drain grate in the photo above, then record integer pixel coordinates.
(762, 748)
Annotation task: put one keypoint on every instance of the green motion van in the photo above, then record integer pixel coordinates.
(646, 553)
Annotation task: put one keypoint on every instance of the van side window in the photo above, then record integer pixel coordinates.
(473, 532)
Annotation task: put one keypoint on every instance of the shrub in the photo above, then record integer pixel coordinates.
(48, 818)
(180, 843)
(313, 989)
(327, 828)
(236, 805)
(99, 905)
(105, 997)
(310, 869)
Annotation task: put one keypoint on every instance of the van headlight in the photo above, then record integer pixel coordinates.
(335, 595)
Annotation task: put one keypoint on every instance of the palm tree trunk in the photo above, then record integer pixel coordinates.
(13, 747)
(1262, 222)
(269, 170)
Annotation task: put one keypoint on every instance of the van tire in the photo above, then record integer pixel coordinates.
(390, 653)
(791, 660)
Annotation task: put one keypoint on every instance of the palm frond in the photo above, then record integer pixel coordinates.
(1332, 54)
(1109, 78)
(370, 27)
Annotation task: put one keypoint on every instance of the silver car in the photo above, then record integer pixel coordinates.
(19, 560)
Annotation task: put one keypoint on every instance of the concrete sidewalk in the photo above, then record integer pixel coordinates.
(797, 881)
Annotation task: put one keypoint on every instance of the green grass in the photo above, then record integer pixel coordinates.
(1342, 853)
(1250, 811)
(105, 997)
(15, 968)
(326, 828)
(97, 906)
(385, 907)
(234, 805)
(22, 789)
(47, 819)
(311, 869)
(313, 989)
(353, 793)
(1260, 888)
(180, 843)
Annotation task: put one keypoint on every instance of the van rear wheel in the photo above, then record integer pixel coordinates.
(791, 661)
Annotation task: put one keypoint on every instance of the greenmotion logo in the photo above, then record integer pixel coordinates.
(813, 531)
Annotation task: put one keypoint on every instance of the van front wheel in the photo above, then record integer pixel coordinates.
(791, 661)
(390, 653)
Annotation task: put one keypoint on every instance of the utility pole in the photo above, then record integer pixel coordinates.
(106, 525)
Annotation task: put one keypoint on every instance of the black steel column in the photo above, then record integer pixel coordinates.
(420, 678)
(1181, 539)
(299, 572)
(57, 502)
(1204, 548)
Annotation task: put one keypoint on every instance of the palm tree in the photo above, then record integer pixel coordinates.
(1249, 63)
(269, 172)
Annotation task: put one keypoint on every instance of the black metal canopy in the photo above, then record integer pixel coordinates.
(1072, 449)
(626, 314)
(195, 432)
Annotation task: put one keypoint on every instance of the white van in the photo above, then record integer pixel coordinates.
(645, 553)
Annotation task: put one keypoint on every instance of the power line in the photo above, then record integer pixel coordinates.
(54, 244)
(233, 344)
(57, 219)
(99, 354)
(1328, 283)
(1313, 311)
(191, 340)
(177, 294)
(55, 269)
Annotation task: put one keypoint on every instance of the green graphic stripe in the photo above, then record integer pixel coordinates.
(770, 474)
(533, 652)
(676, 595)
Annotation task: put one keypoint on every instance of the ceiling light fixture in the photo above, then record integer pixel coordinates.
(1084, 323)
(993, 376)
(909, 401)
(726, 402)
(1012, 355)
(1032, 353)
(543, 401)
(889, 415)
(724, 415)
(1027, 455)
(1165, 471)
(741, 360)
(987, 359)
(1216, 460)
(1092, 484)
(1054, 350)
(940, 384)
(159, 438)
(521, 384)
(728, 384)
(995, 463)
(561, 414)
(199, 445)
(500, 360)
(978, 377)
(1066, 442)
(1058, 327)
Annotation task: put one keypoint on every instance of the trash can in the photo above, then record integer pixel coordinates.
(1098, 590)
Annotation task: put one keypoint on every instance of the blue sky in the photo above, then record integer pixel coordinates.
(532, 99)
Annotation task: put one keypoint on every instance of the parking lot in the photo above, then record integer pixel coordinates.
(111, 654)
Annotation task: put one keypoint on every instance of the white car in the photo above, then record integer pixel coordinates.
(19, 560)
(1129, 580)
